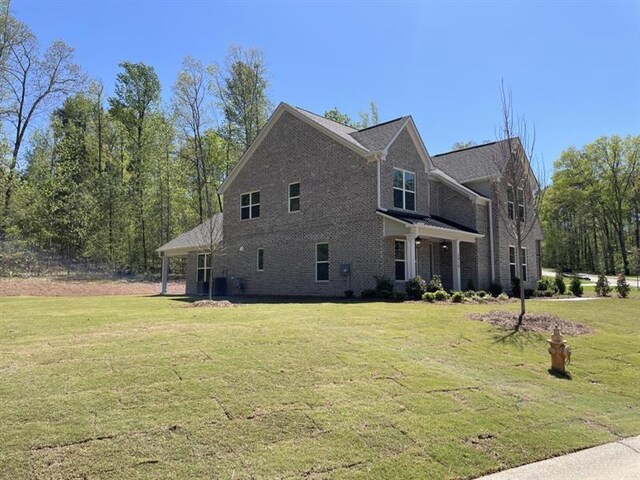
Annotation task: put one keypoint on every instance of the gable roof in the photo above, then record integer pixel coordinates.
(378, 137)
(197, 238)
(474, 162)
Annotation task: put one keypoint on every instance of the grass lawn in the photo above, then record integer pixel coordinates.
(142, 387)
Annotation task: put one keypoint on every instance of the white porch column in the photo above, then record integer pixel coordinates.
(411, 255)
(455, 260)
(165, 274)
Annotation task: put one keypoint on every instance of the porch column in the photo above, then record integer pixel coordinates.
(411, 255)
(165, 274)
(455, 260)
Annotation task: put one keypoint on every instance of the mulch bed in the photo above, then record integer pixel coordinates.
(532, 322)
(213, 304)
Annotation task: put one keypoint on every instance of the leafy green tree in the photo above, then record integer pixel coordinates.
(338, 116)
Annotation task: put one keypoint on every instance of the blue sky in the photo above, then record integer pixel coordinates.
(573, 67)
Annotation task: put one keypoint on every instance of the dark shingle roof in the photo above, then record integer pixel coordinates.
(428, 220)
(473, 162)
(198, 237)
(377, 138)
(372, 139)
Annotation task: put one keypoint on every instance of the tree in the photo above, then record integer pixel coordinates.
(517, 193)
(339, 117)
(31, 83)
(367, 118)
(241, 90)
(137, 93)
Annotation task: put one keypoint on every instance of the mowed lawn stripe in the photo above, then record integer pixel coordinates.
(145, 387)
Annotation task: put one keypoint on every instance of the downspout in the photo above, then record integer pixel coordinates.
(378, 160)
(493, 267)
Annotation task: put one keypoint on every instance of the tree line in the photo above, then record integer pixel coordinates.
(109, 179)
(591, 211)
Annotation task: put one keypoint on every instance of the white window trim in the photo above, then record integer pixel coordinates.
(404, 189)
(206, 267)
(261, 249)
(291, 198)
(517, 199)
(404, 242)
(523, 263)
(250, 205)
(322, 261)
(516, 202)
(512, 203)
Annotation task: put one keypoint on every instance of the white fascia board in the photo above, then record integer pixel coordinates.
(283, 107)
(438, 232)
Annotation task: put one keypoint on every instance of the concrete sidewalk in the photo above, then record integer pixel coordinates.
(614, 461)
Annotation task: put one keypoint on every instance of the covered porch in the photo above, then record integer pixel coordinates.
(426, 245)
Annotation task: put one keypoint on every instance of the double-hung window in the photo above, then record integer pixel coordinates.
(513, 262)
(250, 205)
(204, 267)
(294, 197)
(404, 189)
(511, 203)
(322, 262)
(400, 260)
(260, 260)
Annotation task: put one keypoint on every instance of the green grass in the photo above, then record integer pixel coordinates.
(142, 387)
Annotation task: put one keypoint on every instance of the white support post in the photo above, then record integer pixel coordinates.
(455, 259)
(411, 255)
(165, 274)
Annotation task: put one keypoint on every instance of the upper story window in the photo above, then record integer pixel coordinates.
(294, 197)
(250, 205)
(511, 203)
(404, 189)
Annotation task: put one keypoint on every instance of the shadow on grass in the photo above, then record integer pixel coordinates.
(560, 375)
(517, 338)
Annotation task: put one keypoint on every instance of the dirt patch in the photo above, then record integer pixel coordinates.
(213, 304)
(11, 287)
(532, 322)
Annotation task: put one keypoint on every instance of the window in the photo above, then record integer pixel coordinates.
(322, 262)
(400, 260)
(513, 262)
(204, 267)
(294, 197)
(260, 260)
(404, 189)
(250, 205)
(511, 203)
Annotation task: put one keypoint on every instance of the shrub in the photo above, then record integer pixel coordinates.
(429, 297)
(561, 287)
(545, 284)
(576, 286)
(495, 289)
(385, 294)
(384, 284)
(400, 296)
(435, 284)
(602, 286)
(415, 288)
(543, 293)
(503, 297)
(469, 294)
(456, 297)
(481, 293)
(515, 287)
(622, 286)
(441, 295)
(349, 293)
(369, 293)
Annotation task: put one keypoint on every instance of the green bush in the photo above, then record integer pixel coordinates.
(415, 288)
(543, 293)
(383, 284)
(456, 297)
(503, 297)
(561, 286)
(576, 286)
(622, 286)
(495, 289)
(384, 294)
(435, 284)
(400, 296)
(349, 293)
(441, 295)
(469, 294)
(515, 287)
(545, 284)
(481, 293)
(429, 297)
(369, 293)
(602, 288)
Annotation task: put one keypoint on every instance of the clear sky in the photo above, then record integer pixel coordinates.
(573, 67)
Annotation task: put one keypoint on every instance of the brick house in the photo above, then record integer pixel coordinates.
(315, 207)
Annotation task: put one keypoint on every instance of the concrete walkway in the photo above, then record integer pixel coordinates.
(614, 461)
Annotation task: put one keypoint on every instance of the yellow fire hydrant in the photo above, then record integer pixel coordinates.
(559, 351)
